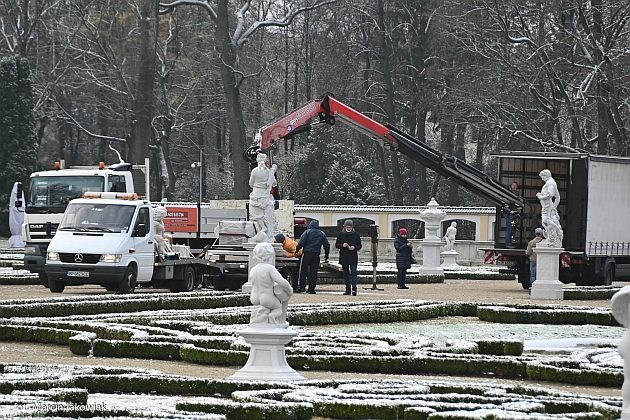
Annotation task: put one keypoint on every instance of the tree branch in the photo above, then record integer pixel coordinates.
(85, 130)
(284, 21)
(169, 7)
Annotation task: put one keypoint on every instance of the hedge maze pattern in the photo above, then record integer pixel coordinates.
(202, 327)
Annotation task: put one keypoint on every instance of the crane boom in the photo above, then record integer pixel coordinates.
(328, 110)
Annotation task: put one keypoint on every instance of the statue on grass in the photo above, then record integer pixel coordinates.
(261, 202)
(549, 199)
(270, 291)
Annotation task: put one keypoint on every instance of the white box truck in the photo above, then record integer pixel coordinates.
(594, 212)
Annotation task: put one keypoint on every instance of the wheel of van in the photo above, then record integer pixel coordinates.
(189, 278)
(608, 276)
(128, 283)
(56, 286)
(43, 279)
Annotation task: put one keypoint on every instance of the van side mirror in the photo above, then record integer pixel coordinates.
(140, 230)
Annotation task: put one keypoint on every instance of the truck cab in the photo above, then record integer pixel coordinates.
(106, 240)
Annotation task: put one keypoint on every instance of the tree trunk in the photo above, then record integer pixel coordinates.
(236, 122)
(389, 101)
(143, 107)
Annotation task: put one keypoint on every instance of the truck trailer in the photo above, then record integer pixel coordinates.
(594, 212)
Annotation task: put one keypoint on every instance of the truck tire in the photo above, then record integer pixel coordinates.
(608, 273)
(187, 283)
(128, 283)
(43, 279)
(56, 286)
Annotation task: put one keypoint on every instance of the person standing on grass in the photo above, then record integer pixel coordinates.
(403, 257)
(349, 243)
(532, 255)
(312, 240)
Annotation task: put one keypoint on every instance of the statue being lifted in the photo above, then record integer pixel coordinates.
(270, 291)
(261, 202)
(549, 199)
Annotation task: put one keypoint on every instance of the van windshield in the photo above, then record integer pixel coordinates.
(51, 194)
(97, 217)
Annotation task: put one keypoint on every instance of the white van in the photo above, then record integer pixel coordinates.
(109, 240)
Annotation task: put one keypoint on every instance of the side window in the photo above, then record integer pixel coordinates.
(116, 183)
(143, 218)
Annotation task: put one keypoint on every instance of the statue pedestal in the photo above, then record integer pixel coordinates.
(249, 246)
(450, 258)
(267, 361)
(431, 256)
(547, 284)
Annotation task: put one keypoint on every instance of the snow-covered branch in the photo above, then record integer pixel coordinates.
(168, 7)
(240, 39)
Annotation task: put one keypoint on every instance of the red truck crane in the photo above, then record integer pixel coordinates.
(595, 253)
(327, 110)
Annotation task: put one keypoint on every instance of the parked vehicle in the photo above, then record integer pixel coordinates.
(593, 210)
(49, 193)
(110, 240)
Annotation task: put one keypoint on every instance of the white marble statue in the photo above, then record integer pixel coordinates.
(161, 244)
(449, 237)
(270, 291)
(621, 312)
(549, 199)
(16, 216)
(261, 202)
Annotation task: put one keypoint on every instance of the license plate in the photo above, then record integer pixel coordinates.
(506, 263)
(78, 274)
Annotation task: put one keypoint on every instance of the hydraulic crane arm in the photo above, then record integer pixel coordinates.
(327, 110)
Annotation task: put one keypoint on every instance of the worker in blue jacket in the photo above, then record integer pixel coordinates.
(312, 240)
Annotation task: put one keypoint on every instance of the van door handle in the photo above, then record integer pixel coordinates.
(149, 242)
(132, 250)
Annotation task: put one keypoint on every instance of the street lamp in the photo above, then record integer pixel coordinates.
(199, 165)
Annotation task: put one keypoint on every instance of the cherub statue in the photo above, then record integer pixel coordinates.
(621, 312)
(158, 223)
(449, 237)
(270, 291)
(261, 203)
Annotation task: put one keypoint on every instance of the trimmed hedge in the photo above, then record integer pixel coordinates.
(542, 315)
(117, 304)
(233, 410)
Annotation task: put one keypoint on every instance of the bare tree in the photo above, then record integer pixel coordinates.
(230, 40)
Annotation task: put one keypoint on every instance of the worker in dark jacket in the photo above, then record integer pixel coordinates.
(349, 243)
(312, 240)
(403, 257)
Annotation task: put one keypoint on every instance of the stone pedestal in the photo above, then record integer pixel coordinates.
(249, 247)
(547, 284)
(267, 361)
(449, 258)
(431, 244)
